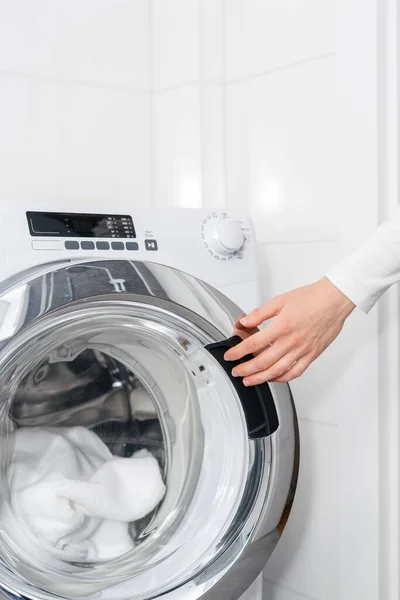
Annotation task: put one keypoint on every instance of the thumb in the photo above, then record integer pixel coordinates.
(262, 313)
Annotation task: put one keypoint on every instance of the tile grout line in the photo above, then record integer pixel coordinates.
(74, 82)
(178, 86)
(188, 82)
(250, 77)
(128, 88)
(273, 70)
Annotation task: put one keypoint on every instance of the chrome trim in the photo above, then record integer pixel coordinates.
(61, 285)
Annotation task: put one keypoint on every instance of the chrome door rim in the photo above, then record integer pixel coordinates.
(216, 314)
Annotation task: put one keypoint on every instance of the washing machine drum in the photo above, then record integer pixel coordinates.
(125, 360)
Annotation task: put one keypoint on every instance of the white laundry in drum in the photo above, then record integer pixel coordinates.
(68, 494)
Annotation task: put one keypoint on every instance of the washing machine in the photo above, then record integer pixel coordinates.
(116, 319)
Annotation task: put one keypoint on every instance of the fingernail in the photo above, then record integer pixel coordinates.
(246, 383)
(234, 373)
(226, 357)
(244, 321)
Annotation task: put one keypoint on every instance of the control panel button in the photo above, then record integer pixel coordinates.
(71, 245)
(151, 245)
(229, 235)
(87, 245)
(102, 245)
(117, 246)
(132, 246)
(222, 235)
(47, 245)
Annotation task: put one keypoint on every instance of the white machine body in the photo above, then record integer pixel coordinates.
(213, 246)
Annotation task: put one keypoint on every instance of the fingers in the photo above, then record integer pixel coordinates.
(241, 333)
(254, 343)
(262, 313)
(275, 371)
(295, 371)
(262, 361)
(250, 330)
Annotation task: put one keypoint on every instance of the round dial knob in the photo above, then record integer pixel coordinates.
(224, 236)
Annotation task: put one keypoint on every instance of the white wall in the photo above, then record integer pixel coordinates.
(188, 103)
(269, 106)
(74, 100)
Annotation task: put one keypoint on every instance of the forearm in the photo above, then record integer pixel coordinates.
(367, 274)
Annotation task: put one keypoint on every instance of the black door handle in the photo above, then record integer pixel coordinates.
(257, 401)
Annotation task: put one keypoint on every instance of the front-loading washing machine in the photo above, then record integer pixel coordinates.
(116, 320)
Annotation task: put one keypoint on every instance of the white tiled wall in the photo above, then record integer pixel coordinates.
(75, 99)
(177, 147)
(281, 150)
(175, 43)
(30, 131)
(188, 103)
(308, 560)
(98, 41)
(262, 35)
(264, 106)
(266, 117)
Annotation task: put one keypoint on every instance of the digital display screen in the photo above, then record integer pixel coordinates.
(46, 224)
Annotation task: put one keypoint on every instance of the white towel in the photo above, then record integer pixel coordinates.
(73, 496)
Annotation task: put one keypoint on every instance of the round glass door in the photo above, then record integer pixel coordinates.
(104, 366)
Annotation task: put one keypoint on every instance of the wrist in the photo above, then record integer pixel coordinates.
(338, 299)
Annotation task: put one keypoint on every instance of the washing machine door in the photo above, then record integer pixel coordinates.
(134, 352)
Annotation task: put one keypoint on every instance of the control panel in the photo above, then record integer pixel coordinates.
(93, 228)
(223, 238)
(214, 246)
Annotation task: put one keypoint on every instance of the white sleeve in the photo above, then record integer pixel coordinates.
(368, 273)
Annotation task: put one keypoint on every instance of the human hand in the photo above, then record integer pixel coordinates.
(306, 321)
